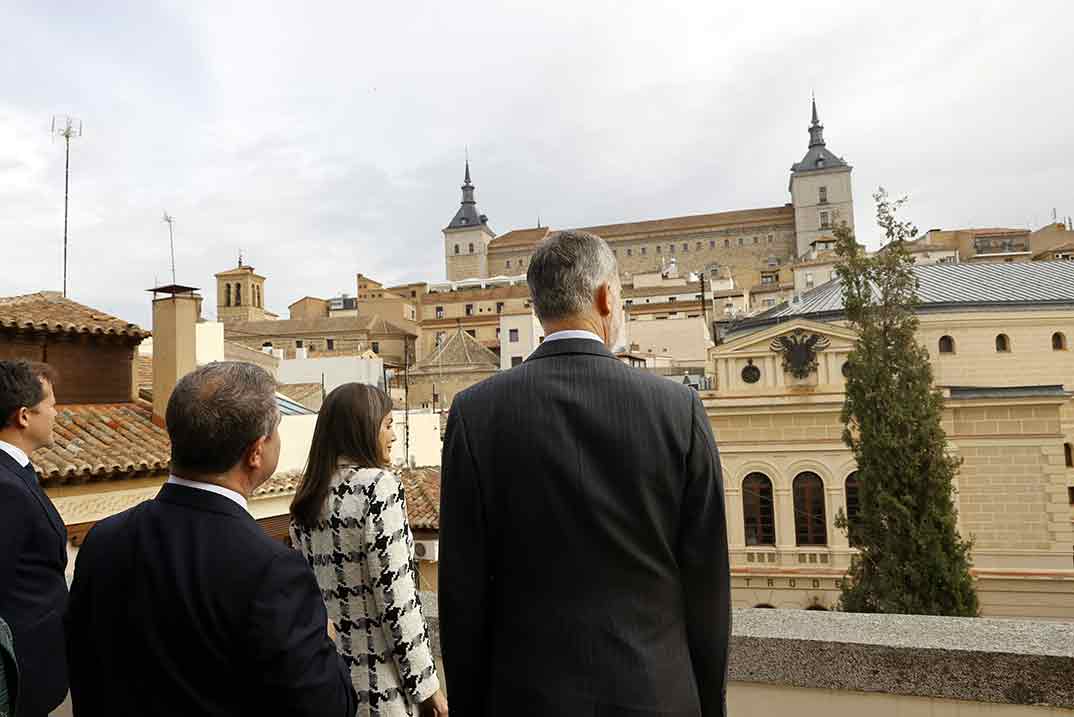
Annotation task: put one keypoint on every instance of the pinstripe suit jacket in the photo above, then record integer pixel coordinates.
(583, 553)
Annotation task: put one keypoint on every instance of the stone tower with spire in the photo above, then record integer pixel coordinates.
(820, 189)
(467, 238)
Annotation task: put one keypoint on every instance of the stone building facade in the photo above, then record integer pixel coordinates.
(746, 245)
(998, 336)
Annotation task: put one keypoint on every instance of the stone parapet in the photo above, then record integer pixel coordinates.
(964, 659)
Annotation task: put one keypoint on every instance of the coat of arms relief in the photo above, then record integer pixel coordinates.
(799, 351)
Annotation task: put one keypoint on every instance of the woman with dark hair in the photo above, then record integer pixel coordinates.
(349, 519)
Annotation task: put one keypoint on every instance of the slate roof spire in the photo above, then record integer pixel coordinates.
(816, 129)
(818, 156)
(467, 216)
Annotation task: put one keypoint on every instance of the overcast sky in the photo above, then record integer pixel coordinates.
(327, 139)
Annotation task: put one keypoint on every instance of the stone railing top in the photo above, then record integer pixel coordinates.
(973, 659)
(916, 632)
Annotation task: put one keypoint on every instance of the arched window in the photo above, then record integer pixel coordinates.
(471, 248)
(238, 294)
(765, 606)
(456, 248)
(817, 606)
(1059, 341)
(1068, 450)
(853, 510)
(810, 521)
(227, 294)
(947, 345)
(757, 510)
(1003, 344)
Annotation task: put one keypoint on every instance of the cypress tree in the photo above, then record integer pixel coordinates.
(912, 559)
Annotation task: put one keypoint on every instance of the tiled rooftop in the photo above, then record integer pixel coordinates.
(326, 325)
(422, 486)
(49, 311)
(460, 349)
(102, 440)
(696, 222)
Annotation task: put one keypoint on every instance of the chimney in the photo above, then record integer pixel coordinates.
(174, 342)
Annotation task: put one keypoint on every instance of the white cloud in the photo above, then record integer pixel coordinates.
(325, 140)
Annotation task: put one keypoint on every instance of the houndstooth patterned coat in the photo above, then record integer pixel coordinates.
(362, 553)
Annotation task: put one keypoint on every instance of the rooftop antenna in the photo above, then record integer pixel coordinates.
(170, 220)
(66, 127)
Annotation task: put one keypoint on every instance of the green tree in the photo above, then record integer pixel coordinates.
(912, 559)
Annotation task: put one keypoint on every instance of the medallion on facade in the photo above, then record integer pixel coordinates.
(799, 351)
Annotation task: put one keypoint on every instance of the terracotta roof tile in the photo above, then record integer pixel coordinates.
(279, 484)
(422, 487)
(50, 311)
(100, 440)
(286, 327)
(460, 349)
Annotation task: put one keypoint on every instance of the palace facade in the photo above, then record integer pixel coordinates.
(999, 336)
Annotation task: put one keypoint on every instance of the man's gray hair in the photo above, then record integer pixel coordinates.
(565, 271)
(216, 412)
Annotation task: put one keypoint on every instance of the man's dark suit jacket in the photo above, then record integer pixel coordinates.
(183, 605)
(583, 546)
(33, 589)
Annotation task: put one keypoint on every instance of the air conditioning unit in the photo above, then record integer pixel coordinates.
(427, 550)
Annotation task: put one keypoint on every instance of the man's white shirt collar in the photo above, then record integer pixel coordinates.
(15, 452)
(212, 488)
(572, 334)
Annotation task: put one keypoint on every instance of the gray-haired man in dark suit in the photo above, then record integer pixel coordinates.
(583, 550)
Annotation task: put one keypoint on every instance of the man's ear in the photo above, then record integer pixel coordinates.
(21, 418)
(255, 454)
(604, 299)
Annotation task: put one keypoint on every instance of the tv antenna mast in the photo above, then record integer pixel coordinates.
(66, 127)
(170, 220)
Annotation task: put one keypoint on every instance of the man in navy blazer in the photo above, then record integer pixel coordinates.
(33, 539)
(183, 605)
